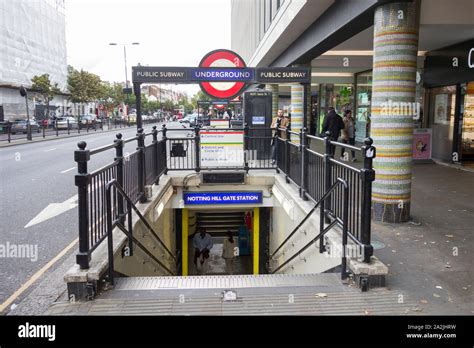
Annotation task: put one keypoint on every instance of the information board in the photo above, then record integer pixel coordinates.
(222, 149)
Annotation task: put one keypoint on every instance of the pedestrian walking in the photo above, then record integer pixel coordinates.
(334, 124)
(202, 243)
(228, 253)
(276, 125)
(348, 134)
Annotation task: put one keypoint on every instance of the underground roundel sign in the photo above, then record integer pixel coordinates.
(222, 59)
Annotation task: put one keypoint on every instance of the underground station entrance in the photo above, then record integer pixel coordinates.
(289, 218)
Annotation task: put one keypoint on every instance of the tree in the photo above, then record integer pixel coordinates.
(84, 87)
(43, 86)
(199, 96)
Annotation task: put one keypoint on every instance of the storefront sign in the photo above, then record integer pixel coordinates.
(222, 198)
(422, 144)
(282, 75)
(222, 149)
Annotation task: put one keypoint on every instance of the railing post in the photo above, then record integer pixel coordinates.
(304, 163)
(368, 176)
(326, 204)
(141, 164)
(246, 147)
(287, 155)
(197, 149)
(9, 129)
(119, 157)
(163, 147)
(82, 178)
(155, 155)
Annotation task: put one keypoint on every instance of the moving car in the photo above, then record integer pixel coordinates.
(192, 119)
(21, 126)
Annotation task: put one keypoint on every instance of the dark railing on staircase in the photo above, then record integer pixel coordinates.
(114, 191)
(294, 154)
(323, 230)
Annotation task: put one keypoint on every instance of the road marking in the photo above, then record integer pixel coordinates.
(68, 170)
(35, 276)
(50, 149)
(52, 210)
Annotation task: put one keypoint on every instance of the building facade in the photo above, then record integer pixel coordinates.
(33, 42)
(404, 68)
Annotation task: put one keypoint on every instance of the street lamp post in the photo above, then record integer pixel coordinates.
(125, 61)
(24, 93)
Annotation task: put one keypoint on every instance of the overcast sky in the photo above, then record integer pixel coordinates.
(170, 33)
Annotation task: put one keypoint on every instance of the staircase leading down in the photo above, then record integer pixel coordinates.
(278, 294)
(218, 223)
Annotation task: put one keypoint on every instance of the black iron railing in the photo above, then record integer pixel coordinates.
(338, 184)
(112, 191)
(314, 173)
(175, 149)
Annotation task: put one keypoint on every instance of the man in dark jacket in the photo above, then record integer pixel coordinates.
(334, 124)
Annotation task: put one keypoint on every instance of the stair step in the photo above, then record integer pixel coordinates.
(228, 281)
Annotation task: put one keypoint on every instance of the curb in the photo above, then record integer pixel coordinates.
(57, 138)
(454, 166)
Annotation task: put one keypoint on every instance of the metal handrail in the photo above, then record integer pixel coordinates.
(111, 224)
(147, 225)
(325, 230)
(305, 218)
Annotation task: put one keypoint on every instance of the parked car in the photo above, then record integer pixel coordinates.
(66, 121)
(90, 121)
(21, 126)
(4, 125)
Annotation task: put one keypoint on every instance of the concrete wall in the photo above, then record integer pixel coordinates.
(288, 211)
(140, 264)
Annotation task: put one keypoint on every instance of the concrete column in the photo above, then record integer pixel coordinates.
(275, 91)
(394, 85)
(297, 111)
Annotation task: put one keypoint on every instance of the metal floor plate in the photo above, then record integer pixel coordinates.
(227, 282)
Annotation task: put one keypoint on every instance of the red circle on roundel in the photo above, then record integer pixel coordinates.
(234, 61)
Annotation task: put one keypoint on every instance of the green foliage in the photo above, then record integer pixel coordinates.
(199, 96)
(84, 86)
(43, 86)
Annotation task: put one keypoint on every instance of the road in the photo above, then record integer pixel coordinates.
(33, 176)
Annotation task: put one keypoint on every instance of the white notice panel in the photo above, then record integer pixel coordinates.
(222, 149)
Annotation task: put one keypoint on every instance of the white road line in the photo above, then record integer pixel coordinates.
(36, 276)
(68, 170)
(50, 149)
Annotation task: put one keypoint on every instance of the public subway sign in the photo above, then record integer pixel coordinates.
(147, 74)
(242, 197)
(221, 74)
(283, 75)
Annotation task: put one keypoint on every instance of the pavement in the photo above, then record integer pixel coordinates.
(35, 178)
(430, 258)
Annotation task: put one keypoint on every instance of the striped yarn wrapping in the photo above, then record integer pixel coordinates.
(297, 109)
(393, 91)
(275, 90)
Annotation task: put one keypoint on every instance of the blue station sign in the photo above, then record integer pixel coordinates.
(223, 198)
(222, 74)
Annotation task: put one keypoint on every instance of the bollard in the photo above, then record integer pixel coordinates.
(368, 177)
(82, 178)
